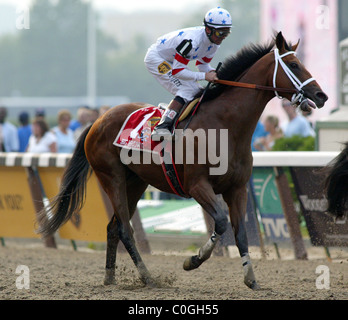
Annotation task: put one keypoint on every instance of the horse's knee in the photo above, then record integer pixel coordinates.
(221, 224)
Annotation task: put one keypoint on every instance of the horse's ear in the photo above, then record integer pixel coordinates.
(280, 42)
(294, 47)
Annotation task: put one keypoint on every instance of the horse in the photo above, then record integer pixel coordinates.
(233, 109)
(335, 184)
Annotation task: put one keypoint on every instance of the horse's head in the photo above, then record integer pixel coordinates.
(289, 72)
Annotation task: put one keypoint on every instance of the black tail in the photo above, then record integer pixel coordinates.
(71, 196)
(336, 184)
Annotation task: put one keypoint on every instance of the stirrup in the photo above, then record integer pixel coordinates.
(159, 134)
(163, 105)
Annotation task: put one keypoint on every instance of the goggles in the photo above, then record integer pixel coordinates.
(221, 34)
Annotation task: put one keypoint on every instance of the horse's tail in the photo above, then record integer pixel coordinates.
(72, 193)
(336, 184)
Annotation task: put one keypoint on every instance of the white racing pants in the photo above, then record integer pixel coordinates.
(162, 71)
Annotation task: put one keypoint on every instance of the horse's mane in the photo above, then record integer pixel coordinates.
(235, 65)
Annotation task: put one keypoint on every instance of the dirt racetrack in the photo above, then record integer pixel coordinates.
(67, 274)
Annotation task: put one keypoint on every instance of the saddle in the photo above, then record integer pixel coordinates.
(187, 109)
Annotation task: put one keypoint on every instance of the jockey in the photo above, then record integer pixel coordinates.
(167, 61)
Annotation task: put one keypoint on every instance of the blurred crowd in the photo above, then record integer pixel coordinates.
(270, 130)
(35, 135)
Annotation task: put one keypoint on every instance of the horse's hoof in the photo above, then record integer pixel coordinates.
(252, 284)
(192, 263)
(109, 277)
(148, 281)
(151, 283)
(108, 282)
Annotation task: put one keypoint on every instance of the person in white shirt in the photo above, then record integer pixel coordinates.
(65, 136)
(168, 58)
(42, 140)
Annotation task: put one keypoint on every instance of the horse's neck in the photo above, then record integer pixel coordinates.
(245, 106)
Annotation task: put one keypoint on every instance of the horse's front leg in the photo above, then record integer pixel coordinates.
(203, 193)
(237, 202)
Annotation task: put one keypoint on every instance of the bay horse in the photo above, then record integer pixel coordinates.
(336, 184)
(223, 107)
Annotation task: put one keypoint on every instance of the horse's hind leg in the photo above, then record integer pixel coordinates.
(114, 183)
(135, 189)
(111, 248)
(237, 202)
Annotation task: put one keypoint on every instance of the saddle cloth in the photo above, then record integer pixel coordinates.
(136, 131)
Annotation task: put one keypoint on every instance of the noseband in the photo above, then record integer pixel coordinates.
(299, 96)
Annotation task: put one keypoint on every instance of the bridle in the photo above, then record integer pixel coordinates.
(298, 93)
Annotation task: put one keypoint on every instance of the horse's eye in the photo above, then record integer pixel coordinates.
(294, 65)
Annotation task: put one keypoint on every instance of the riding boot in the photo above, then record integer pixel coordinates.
(165, 125)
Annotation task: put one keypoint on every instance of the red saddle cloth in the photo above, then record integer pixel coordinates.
(135, 134)
(136, 130)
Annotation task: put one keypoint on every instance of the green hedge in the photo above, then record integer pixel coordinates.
(295, 143)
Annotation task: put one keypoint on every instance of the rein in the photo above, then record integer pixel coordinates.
(254, 86)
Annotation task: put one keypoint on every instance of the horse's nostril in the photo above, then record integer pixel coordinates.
(321, 96)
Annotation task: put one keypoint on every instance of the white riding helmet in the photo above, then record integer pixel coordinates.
(218, 18)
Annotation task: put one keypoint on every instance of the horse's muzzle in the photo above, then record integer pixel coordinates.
(313, 101)
(320, 98)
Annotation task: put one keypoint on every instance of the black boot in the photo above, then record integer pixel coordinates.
(165, 126)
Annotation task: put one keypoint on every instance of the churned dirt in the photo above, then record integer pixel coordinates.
(66, 274)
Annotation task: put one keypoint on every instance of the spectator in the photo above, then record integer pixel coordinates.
(103, 109)
(258, 133)
(94, 114)
(65, 136)
(307, 114)
(8, 133)
(298, 124)
(40, 114)
(24, 131)
(41, 139)
(74, 124)
(274, 133)
(84, 117)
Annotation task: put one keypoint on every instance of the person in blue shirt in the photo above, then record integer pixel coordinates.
(258, 133)
(298, 125)
(65, 136)
(78, 123)
(24, 131)
(8, 134)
